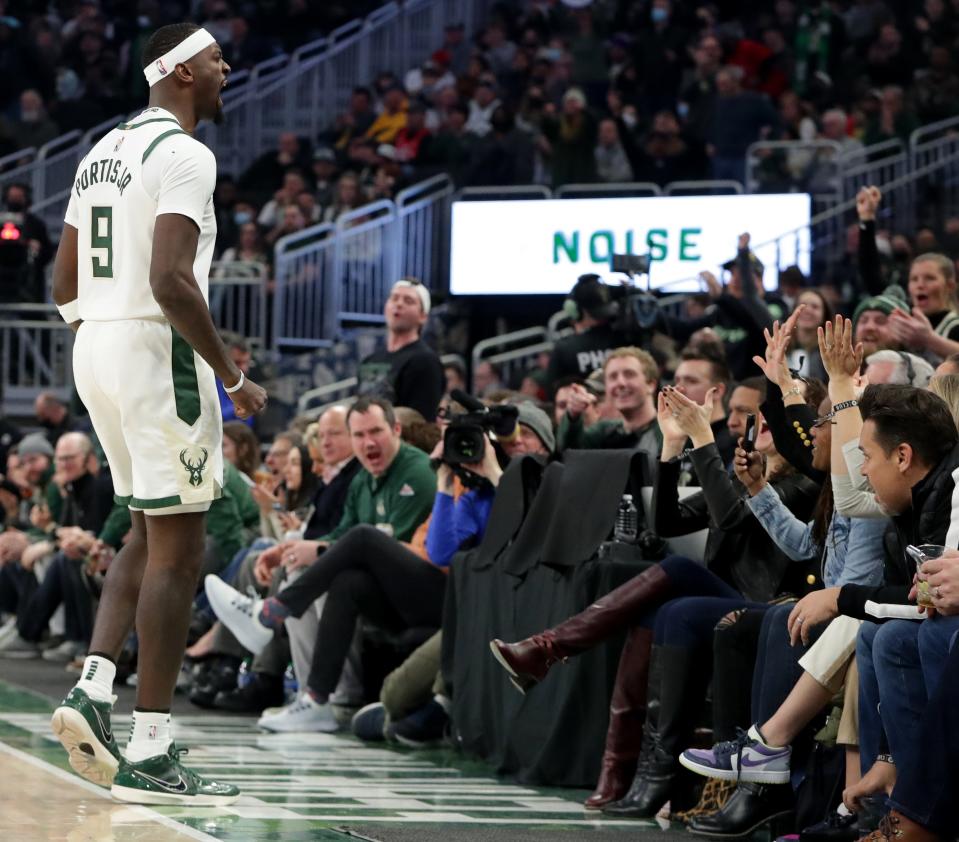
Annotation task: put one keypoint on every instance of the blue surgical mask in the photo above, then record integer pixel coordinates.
(659, 15)
(242, 217)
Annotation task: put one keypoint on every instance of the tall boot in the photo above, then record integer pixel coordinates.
(671, 705)
(528, 661)
(627, 710)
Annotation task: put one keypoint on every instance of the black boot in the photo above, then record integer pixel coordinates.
(671, 705)
(749, 807)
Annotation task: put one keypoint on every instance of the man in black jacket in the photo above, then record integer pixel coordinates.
(911, 459)
(407, 372)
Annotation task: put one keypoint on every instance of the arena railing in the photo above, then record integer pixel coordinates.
(300, 92)
(238, 296)
(591, 191)
(36, 355)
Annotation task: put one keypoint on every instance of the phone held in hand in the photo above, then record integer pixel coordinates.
(752, 430)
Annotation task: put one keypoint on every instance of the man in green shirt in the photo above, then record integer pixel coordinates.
(631, 377)
(392, 494)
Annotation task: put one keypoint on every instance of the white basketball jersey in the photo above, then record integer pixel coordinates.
(138, 171)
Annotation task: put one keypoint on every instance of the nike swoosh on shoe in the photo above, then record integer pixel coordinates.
(180, 787)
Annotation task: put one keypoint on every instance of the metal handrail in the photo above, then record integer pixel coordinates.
(919, 136)
(517, 191)
(675, 187)
(626, 189)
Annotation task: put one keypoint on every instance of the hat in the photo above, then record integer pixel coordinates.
(596, 383)
(386, 150)
(441, 58)
(419, 288)
(754, 261)
(538, 421)
(324, 153)
(35, 444)
(575, 94)
(893, 297)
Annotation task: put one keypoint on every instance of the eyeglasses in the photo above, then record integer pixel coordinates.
(822, 422)
(66, 457)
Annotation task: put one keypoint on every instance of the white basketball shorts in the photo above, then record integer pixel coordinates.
(155, 410)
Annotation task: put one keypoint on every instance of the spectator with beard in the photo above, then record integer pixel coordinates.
(407, 372)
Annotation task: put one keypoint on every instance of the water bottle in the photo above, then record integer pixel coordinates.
(244, 675)
(291, 686)
(626, 530)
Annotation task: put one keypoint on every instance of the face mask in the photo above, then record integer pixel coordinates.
(242, 217)
(629, 119)
(16, 206)
(659, 15)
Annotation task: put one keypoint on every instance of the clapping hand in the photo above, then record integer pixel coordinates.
(840, 359)
(911, 329)
(777, 345)
(691, 418)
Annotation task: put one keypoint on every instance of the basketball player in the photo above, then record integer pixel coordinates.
(131, 279)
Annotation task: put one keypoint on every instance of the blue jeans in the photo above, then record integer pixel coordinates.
(927, 793)
(900, 663)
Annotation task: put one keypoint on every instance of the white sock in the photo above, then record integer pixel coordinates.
(444, 702)
(96, 679)
(150, 735)
(756, 734)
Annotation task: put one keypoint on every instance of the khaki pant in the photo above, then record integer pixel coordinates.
(414, 682)
(832, 662)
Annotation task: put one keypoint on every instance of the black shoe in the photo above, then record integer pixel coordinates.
(260, 692)
(835, 828)
(423, 727)
(215, 675)
(749, 807)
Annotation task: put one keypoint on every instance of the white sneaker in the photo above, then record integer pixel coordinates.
(239, 613)
(8, 630)
(304, 714)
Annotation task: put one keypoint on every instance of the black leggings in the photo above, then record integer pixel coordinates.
(366, 574)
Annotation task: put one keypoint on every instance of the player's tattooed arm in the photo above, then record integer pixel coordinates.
(65, 285)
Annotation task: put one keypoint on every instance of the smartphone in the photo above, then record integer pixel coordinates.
(278, 507)
(752, 430)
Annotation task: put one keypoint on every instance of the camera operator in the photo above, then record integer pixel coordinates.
(591, 311)
(25, 248)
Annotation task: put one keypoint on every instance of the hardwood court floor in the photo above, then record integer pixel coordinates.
(295, 787)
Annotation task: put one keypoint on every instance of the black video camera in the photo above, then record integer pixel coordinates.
(465, 439)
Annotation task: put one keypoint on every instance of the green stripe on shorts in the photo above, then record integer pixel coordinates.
(156, 502)
(186, 389)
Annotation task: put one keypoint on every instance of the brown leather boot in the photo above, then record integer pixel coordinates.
(528, 661)
(899, 828)
(627, 709)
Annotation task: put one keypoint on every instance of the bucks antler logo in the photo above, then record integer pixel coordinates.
(196, 471)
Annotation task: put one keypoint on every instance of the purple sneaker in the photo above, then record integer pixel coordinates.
(747, 759)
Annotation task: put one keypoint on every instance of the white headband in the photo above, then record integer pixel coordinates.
(419, 289)
(184, 51)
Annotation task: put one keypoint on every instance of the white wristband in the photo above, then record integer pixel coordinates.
(239, 385)
(70, 312)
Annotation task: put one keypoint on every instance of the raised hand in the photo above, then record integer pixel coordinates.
(777, 346)
(867, 203)
(668, 425)
(749, 469)
(840, 359)
(692, 418)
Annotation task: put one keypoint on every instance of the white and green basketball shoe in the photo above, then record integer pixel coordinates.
(82, 725)
(164, 780)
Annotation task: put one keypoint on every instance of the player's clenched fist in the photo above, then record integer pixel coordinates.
(249, 399)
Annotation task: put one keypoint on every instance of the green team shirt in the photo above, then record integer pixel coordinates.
(401, 498)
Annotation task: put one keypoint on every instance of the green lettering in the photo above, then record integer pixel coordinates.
(94, 167)
(656, 240)
(686, 244)
(101, 239)
(598, 237)
(569, 247)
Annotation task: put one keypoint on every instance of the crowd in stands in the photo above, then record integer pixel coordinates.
(810, 433)
(812, 441)
(616, 93)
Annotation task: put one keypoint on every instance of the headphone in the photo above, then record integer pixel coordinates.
(571, 306)
(910, 371)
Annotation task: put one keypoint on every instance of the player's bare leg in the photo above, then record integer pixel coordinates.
(82, 721)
